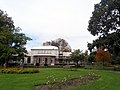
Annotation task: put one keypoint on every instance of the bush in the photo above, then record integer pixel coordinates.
(117, 68)
(115, 60)
(88, 67)
(19, 71)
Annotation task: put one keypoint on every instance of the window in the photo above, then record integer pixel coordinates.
(45, 60)
(39, 60)
(28, 60)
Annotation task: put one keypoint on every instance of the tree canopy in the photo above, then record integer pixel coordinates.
(11, 40)
(77, 56)
(102, 56)
(60, 43)
(91, 57)
(105, 23)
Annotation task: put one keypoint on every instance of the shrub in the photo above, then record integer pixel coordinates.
(117, 68)
(88, 67)
(19, 71)
(115, 60)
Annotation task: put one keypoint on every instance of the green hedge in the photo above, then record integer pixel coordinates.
(19, 71)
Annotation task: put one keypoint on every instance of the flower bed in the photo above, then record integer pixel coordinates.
(68, 83)
(19, 71)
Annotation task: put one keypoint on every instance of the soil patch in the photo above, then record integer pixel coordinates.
(68, 84)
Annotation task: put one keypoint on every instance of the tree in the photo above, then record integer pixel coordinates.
(85, 57)
(77, 56)
(20, 40)
(91, 57)
(11, 40)
(105, 23)
(102, 56)
(60, 43)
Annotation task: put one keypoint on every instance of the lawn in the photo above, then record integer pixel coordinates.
(108, 80)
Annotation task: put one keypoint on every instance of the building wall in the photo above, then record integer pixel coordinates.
(42, 60)
(45, 56)
(42, 56)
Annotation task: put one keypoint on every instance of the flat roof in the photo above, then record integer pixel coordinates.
(44, 47)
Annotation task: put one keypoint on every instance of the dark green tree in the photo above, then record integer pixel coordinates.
(77, 56)
(105, 23)
(12, 42)
(91, 57)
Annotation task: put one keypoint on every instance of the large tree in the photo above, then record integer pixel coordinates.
(105, 23)
(60, 43)
(12, 42)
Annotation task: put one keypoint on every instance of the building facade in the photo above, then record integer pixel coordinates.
(44, 55)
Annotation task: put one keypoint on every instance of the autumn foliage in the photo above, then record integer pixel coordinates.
(102, 55)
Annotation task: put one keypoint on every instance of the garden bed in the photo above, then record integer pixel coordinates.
(68, 84)
(19, 71)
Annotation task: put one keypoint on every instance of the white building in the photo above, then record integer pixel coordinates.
(42, 55)
(45, 55)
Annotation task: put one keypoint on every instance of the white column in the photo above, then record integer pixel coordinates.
(32, 60)
(25, 60)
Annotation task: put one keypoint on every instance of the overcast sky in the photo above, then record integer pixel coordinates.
(46, 20)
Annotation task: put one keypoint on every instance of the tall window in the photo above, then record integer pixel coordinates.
(45, 60)
(39, 60)
(28, 60)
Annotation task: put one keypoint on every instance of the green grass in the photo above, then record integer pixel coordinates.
(108, 80)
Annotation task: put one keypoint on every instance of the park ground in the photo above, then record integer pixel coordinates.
(108, 80)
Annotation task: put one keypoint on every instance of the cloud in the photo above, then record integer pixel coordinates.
(45, 20)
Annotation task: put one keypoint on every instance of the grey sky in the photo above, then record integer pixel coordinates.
(45, 20)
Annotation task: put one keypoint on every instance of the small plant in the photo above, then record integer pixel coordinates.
(66, 78)
(51, 79)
